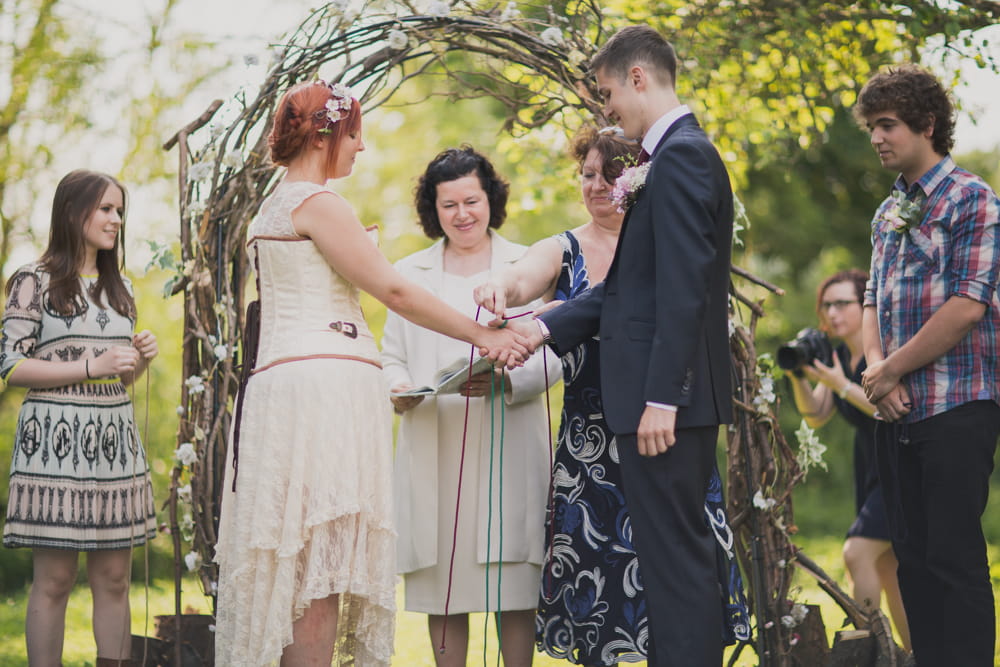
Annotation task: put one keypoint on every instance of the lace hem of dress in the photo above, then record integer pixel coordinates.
(342, 557)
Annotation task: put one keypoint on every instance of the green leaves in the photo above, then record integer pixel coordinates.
(164, 258)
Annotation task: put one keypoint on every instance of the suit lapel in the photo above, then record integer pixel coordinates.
(687, 120)
(612, 270)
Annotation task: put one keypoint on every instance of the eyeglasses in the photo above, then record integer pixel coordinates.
(839, 304)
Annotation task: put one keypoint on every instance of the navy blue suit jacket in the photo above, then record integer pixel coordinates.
(662, 311)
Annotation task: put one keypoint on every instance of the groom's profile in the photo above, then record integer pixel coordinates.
(662, 316)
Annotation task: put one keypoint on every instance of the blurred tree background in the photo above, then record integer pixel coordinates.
(771, 80)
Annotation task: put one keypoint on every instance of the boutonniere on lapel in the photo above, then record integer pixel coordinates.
(904, 213)
(629, 185)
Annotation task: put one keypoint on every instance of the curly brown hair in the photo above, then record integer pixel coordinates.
(615, 150)
(451, 165)
(916, 96)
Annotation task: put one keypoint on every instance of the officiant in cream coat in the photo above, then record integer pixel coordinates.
(410, 356)
(462, 197)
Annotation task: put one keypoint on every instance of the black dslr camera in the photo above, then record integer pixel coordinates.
(809, 344)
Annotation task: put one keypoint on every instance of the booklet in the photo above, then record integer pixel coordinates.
(450, 378)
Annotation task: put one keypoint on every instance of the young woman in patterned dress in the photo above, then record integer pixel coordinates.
(79, 479)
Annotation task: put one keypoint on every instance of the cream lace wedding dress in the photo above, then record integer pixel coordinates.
(312, 512)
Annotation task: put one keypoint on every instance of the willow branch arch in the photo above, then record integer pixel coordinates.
(535, 66)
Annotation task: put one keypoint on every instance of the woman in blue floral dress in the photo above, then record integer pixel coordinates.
(591, 608)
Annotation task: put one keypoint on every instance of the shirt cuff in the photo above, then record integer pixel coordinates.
(975, 290)
(868, 299)
(546, 334)
(661, 406)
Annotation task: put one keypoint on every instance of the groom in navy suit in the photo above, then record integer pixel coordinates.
(662, 314)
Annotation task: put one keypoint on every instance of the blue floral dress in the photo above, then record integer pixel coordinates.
(591, 607)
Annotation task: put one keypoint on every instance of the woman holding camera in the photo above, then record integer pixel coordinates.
(868, 552)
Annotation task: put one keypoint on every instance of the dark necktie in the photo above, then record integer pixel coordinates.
(643, 157)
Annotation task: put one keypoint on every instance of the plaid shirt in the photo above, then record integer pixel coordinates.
(953, 250)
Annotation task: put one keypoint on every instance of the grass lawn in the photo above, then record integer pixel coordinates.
(412, 644)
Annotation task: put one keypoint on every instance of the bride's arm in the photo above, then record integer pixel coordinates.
(531, 277)
(332, 225)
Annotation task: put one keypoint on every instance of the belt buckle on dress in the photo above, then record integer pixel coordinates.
(349, 329)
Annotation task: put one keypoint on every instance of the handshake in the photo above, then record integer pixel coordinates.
(506, 341)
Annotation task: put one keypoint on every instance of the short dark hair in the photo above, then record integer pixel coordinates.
(916, 96)
(615, 150)
(453, 164)
(856, 277)
(637, 45)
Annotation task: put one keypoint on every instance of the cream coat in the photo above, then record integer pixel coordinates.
(406, 360)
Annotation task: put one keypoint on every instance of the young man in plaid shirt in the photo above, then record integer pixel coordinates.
(931, 320)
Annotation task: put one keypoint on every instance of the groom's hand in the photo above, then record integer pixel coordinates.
(528, 329)
(546, 307)
(656, 431)
(504, 347)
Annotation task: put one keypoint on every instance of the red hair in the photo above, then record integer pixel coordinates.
(301, 118)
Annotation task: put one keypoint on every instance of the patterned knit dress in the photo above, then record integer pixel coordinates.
(78, 477)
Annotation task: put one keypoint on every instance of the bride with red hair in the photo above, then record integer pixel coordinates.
(306, 546)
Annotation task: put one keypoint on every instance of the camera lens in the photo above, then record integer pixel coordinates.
(791, 356)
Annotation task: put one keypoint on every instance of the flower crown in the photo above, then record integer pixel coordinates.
(336, 106)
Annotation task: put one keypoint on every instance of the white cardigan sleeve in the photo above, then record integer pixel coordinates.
(394, 361)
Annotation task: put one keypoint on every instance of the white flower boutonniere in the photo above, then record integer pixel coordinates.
(629, 185)
(903, 213)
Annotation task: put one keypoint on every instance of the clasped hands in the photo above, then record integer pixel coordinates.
(507, 343)
(882, 386)
(493, 298)
(655, 434)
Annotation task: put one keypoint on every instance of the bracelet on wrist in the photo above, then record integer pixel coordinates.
(843, 390)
